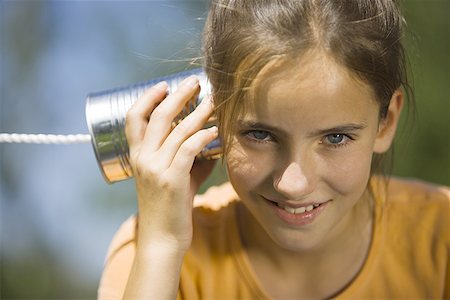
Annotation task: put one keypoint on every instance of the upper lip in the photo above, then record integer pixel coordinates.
(296, 204)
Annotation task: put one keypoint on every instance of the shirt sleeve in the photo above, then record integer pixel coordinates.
(119, 261)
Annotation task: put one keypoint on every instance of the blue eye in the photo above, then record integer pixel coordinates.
(335, 138)
(259, 135)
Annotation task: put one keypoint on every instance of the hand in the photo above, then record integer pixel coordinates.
(162, 159)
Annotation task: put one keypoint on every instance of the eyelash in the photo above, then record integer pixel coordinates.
(347, 140)
(250, 134)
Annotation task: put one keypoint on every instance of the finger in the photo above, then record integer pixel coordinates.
(137, 116)
(184, 159)
(161, 119)
(185, 129)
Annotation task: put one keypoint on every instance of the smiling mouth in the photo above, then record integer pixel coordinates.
(299, 210)
(296, 210)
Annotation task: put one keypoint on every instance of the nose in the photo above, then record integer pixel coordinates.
(295, 181)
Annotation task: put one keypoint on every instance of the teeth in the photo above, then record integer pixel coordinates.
(299, 210)
(289, 209)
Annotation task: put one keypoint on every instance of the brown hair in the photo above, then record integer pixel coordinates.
(243, 37)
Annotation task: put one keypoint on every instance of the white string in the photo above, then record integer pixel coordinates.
(45, 138)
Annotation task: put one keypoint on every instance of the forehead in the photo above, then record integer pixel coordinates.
(313, 85)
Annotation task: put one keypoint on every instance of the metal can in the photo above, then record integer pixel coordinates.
(106, 113)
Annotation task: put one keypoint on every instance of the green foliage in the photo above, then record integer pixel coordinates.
(422, 148)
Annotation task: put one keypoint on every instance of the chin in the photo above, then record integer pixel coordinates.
(295, 241)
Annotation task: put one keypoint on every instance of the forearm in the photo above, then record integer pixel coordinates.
(162, 159)
(155, 274)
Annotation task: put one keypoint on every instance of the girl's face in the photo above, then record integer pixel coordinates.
(301, 156)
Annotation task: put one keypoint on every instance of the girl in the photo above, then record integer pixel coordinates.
(307, 95)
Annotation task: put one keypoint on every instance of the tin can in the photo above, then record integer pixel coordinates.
(105, 115)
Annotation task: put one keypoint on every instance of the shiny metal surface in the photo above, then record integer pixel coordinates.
(105, 116)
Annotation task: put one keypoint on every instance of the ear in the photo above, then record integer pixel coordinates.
(388, 125)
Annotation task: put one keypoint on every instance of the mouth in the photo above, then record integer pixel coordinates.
(297, 210)
(294, 214)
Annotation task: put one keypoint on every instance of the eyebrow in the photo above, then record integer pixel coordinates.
(345, 128)
(351, 127)
(257, 125)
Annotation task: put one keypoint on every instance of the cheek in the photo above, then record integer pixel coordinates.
(350, 173)
(247, 170)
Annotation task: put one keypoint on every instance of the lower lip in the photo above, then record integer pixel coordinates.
(297, 219)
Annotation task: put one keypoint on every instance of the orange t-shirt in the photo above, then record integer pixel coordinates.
(408, 257)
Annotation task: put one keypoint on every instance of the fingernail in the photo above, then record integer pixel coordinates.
(214, 129)
(191, 81)
(161, 85)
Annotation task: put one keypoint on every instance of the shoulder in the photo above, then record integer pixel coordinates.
(214, 267)
(213, 221)
(421, 208)
(125, 236)
(411, 191)
(409, 254)
(119, 261)
(216, 197)
(213, 205)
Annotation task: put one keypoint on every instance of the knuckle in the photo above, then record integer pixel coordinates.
(182, 129)
(131, 114)
(189, 149)
(159, 114)
(144, 167)
(154, 177)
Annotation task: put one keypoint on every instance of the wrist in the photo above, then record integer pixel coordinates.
(160, 249)
(162, 238)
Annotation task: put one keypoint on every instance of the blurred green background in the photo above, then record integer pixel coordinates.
(423, 143)
(57, 214)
